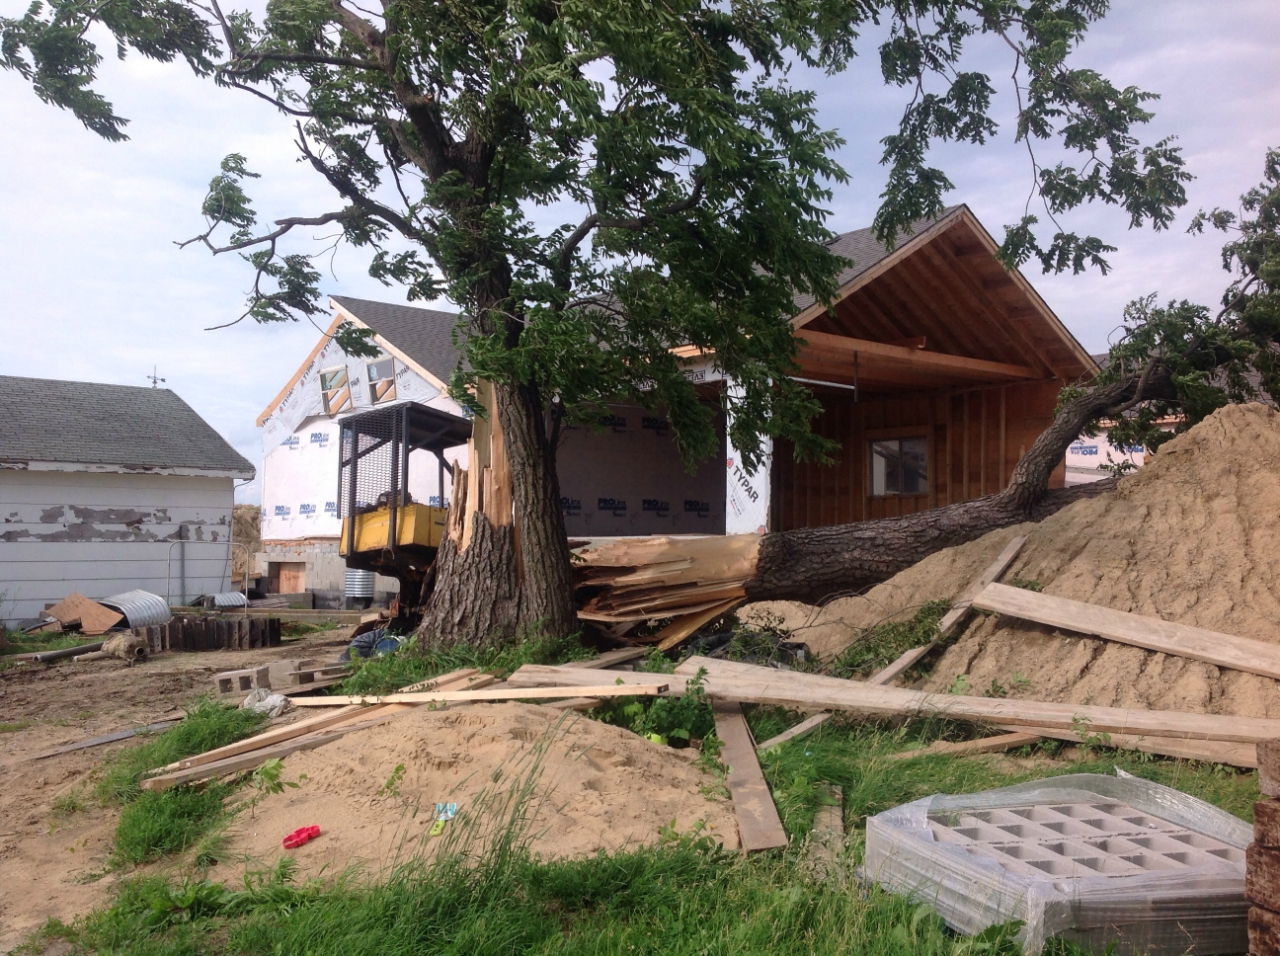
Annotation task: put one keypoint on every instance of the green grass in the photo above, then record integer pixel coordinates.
(301, 628)
(13, 726)
(19, 643)
(159, 823)
(882, 644)
(207, 725)
(411, 663)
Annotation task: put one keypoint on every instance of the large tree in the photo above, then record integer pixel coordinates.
(689, 172)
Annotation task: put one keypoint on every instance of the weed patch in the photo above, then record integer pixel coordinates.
(413, 663)
(158, 823)
(882, 644)
(13, 726)
(207, 725)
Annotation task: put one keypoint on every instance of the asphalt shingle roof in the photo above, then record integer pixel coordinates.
(87, 423)
(861, 247)
(425, 335)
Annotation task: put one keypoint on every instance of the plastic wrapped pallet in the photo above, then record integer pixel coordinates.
(1089, 858)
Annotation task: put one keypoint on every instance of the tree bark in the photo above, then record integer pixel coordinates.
(812, 564)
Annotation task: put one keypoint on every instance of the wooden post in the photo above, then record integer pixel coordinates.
(1004, 390)
(982, 445)
(965, 454)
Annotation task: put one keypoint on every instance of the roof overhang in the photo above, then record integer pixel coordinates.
(108, 468)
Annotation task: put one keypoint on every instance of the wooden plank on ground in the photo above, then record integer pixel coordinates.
(954, 617)
(649, 689)
(609, 658)
(682, 628)
(1151, 633)
(963, 748)
(747, 683)
(799, 730)
(758, 823)
(1206, 751)
(107, 739)
(315, 724)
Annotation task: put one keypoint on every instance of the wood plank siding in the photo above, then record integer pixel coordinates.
(975, 437)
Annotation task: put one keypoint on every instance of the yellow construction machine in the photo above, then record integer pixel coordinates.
(384, 529)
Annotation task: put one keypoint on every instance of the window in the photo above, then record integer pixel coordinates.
(899, 466)
(382, 380)
(334, 390)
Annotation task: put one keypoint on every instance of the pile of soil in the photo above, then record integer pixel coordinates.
(590, 787)
(1193, 537)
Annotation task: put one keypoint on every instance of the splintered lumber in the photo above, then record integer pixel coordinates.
(758, 823)
(954, 617)
(799, 730)
(660, 576)
(1151, 633)
(682, 628)
(987, 745)
(1206, 751)
(648, 689)
(762, 685)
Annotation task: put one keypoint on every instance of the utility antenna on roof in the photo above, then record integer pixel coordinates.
(155, 379)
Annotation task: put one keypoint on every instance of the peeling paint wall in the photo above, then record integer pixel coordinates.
(101, 534)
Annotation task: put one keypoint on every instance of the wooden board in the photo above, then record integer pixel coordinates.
(799, 730)
(954, 617)
(1206, 751)
(107, 739)
(747, 683)
(682, 628)
(987, 745)
(758, 823)
(1151, 633)
(649, 689)
(609, 658)
(302, 728)
(92, 617)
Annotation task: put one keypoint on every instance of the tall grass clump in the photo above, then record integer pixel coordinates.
(415, 662)
(208, 724)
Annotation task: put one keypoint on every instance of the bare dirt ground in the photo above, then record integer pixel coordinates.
(52, 863)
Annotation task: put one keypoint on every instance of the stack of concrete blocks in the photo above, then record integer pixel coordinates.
(1262, 862)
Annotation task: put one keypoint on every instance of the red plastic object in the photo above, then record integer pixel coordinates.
(299, 837)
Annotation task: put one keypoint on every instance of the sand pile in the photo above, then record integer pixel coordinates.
(1193, 537)
(596, 787)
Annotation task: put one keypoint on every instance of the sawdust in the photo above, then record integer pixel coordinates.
(1193, 537)
(594, 787)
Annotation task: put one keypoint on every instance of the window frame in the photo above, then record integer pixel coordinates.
(388, 394)
(884, 436)
(332, 398)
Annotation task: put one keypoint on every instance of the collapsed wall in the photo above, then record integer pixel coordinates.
(1194, 537)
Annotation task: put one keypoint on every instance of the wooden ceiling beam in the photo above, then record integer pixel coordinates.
(896, 357)
(906, 288)
(868, 319)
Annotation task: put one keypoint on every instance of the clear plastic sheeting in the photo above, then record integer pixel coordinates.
(1089, 858)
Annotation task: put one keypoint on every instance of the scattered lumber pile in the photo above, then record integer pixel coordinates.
(1262, 859)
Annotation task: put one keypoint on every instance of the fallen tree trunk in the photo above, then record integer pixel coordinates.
(648, 578)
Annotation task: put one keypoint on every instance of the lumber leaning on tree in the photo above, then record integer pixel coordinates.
(954, 617)
(1151, 633)
(759, 826)
(647, 689)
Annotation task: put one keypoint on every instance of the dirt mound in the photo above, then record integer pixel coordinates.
(1193, 537)
(592, 787)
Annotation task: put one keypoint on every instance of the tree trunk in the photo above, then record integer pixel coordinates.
(504, 565)
(810, 564)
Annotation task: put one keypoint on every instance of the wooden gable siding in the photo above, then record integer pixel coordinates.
(975, 437)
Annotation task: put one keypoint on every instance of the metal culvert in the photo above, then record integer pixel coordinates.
(140, 608)
(230, 599)
(359, 583)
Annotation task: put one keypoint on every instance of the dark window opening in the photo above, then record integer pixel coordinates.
(899, 466)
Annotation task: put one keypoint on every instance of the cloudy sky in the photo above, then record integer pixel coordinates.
(93, 288)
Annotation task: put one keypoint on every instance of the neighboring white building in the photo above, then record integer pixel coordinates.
(300, 523)
(108, 488)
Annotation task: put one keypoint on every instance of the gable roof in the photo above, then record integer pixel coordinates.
(424, 335)
(865, 251)
(131, 427)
